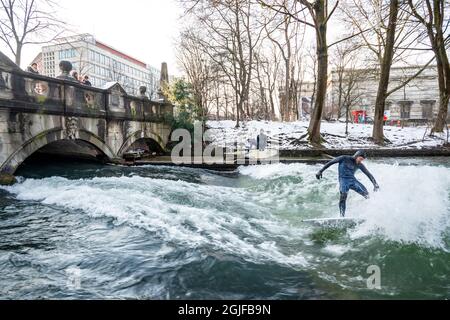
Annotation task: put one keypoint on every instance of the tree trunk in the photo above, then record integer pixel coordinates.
(272, 105)
(442, 66)
(295, 101)
(380, 102)
(292, 90)
(18, 54)
(444, 88)
(286, 92)
(263, 98)
(237, 118)
(340, 106)
(322, 72)
(347, 116)
(226, 104)
(217, 105)
(441, 119)
(237, 110)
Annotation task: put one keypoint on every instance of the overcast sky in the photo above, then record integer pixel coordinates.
(145, 30)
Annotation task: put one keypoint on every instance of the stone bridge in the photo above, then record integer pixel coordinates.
(64, 117)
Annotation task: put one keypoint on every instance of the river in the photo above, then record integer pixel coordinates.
(87, 231)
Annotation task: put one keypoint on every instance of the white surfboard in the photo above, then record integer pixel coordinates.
(334, 222)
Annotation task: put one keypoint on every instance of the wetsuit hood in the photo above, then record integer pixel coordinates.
(360, 153)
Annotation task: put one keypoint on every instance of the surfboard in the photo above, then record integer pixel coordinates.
(334, 222)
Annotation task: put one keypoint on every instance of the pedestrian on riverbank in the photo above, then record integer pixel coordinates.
(261, 141)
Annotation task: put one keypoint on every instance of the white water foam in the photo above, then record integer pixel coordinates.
(179, 212)
(413, 205)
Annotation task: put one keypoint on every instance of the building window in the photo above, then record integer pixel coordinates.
(405, 110)
(427, 109)
(67, 54)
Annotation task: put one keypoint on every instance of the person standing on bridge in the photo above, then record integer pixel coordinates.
(86, 81)
(348, 166)
(75, 76)
(33, 68)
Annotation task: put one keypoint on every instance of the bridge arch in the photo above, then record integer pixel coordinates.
(140, 135)
(46, 138)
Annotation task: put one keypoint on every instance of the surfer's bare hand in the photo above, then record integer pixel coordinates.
(319, 175)
(376, 188)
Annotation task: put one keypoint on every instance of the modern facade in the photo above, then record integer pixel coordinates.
(101, 62)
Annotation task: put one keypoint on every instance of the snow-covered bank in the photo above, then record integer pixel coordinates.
(291, 136)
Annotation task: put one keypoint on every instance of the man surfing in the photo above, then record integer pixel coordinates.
(348, 166)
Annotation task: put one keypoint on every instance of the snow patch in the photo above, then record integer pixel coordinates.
(291, 135)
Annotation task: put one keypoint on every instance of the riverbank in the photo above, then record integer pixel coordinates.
(308, 156)
(294, 135)
(441, 151)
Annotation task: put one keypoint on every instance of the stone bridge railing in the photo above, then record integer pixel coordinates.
(29, 93)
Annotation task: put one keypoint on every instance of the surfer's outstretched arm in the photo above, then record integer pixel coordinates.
(370, 176)
(329, 164)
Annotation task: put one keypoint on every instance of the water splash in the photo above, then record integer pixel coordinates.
(205, 221)
(413, 205)
(180, 212)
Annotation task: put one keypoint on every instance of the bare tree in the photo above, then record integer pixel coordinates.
(318, 10)
(24, 22)
(386, 63)
(116, 74)
(432, 16)
(310, 71)
(263, 108)
(289, 44)
(300, 78)
(317, 17)
(346, 77)
(231, 35)
(351, 91)
(270, 67)
(386, 31)
(198, 68)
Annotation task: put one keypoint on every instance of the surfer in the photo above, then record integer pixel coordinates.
(348, 166)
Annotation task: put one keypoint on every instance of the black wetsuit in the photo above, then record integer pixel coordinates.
(347, 180)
